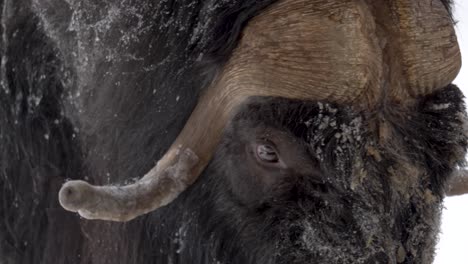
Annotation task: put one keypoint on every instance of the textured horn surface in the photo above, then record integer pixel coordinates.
(347, 51)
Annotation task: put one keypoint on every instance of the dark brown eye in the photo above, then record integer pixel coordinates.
(267, 153)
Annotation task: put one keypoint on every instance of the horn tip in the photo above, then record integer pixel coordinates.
(72, 195)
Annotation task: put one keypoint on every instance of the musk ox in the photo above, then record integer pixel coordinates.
(287, 131)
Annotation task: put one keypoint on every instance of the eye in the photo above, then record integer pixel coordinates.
(267, 153)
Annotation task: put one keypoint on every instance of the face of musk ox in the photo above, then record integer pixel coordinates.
(324, 131)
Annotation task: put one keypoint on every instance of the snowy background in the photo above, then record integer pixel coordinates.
(453, 243)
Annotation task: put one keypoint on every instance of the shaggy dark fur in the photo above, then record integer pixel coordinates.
(99, 89)
(376, 202)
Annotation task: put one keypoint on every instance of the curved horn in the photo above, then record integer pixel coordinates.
(298, 49)
(178, 168)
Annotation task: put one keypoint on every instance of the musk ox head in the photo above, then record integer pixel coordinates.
(333, 128)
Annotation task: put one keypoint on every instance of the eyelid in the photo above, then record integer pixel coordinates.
(267, 140)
